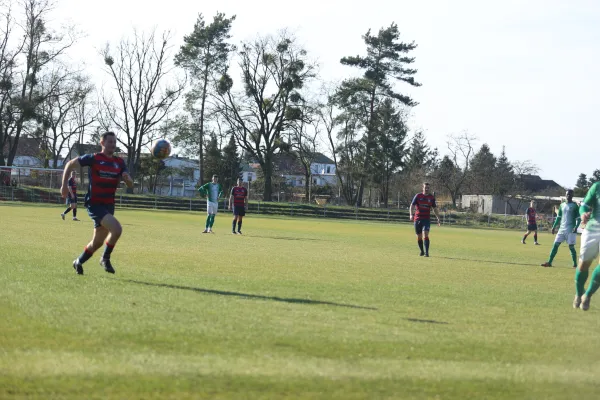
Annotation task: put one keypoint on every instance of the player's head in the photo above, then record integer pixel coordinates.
(426, 187)
(569, 195)
(215, 179)
(108, 142)
(532, 203)
(73, 174)
(239, 181)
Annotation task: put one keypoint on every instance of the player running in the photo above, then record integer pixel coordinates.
(239, 197)
(105, 173)
(590, 247)
(531, 214)
(568, 221)
(423, 203)
(71, 197)
(212, 191)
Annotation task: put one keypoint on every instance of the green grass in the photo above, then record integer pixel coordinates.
(295, 308)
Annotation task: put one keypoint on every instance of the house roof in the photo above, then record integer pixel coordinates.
(85, 149)
(534, 183)
(28, 147)
(321, 158)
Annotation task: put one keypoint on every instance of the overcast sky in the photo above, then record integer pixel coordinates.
(516, 73)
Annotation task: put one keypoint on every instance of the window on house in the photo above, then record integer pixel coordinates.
(329, 169)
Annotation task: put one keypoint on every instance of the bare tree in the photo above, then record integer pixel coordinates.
(274, 69)
(22, 65)
(59, 117)
(526, 167)
(140, 98)
(453, 170)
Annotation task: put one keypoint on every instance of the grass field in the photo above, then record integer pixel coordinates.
(295, 308)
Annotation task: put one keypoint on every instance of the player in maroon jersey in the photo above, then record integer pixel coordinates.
(105, 173)
(531, 214)
(423, 203)
(239, 197)
(71, 197)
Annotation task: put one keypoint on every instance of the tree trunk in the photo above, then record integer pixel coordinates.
(201, 133)
(267, 169)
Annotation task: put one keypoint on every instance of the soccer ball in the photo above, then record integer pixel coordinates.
(161, 149)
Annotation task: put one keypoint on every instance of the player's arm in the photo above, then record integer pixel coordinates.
(413, 204)
(558, 219)
(70, 166)
(202, 189)
(230, 197)
(434, 208)
(126, 177)
(585, 210)
(246, 201)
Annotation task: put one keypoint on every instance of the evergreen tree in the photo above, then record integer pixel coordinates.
(483, 166)
(212, 159)
(504, 176)
(230, 168)
(420, 155)
(582, 182)
(595, 177)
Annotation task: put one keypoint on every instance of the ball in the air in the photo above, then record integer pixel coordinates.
(161, 149)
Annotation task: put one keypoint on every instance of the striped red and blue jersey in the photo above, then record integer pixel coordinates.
(424, 203)
(531, 216)
(239, 196)
(73, 185)
(105, 175)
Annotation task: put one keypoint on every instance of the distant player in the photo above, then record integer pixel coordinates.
(212, 191)
(105, 173)
(568, 221)
(71, 197)
(590, 248)
(423, 203)
(531, 215)
(239, 197)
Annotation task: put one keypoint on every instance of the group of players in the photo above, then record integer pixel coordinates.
(107, 170)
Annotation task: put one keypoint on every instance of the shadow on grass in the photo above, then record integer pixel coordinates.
(426, 321)
(249, 296)
(288, 238)
(484, 261)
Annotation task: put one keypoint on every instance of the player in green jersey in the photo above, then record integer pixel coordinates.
(212, 191)
(590, 248)
(567, 223)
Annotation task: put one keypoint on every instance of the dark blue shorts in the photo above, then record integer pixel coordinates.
(532, 227)
(239, 210)
(71, 200)
(98, 211)
(422, 225)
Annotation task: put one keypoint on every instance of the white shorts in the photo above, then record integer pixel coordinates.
(570, 238)
(590, 246)
(212, 207)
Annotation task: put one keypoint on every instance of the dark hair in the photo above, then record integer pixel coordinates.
(426, 184)
(215, 176)
(107, 134)
(571, 191)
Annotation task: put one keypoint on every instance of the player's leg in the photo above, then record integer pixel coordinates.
(571, 240)
(557, 242)
(419, 232)
(68, 203)
(239, 225)
(535, 235)
(525, 236)
(207, 225)
(115, 230)
(426, 229)
(74, 208)
(215, 209)
(100, 234)
(590, 246)
(235, 219)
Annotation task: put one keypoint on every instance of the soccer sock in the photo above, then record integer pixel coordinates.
(580, 278)
(208, 221)
(594, 282)
(420, 245)
(427, 245)
(525, 237)
(67, 210)
(212, 220)
(74, 213)
(233, 225)
(535, 237)
(86, 255)
(107, 250)
(239, 226)
(573, 254)
(553, 252)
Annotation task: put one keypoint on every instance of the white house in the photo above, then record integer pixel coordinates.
(28, 154)
(322, 170)
(183, 182)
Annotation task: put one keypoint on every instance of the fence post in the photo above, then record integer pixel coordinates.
(388, 214)
(325, 211)
(356, 212)
(258, 207)
(155, 202)
(489, 217)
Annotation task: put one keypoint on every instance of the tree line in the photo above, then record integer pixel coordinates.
(221, 102)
